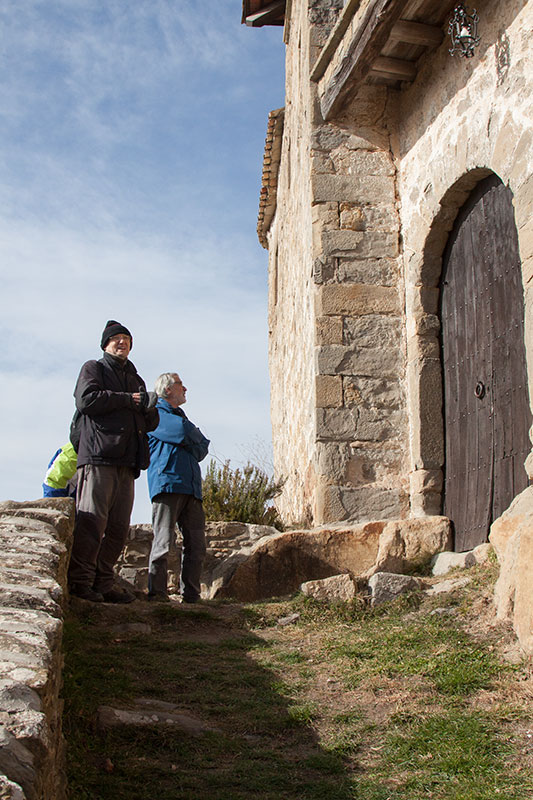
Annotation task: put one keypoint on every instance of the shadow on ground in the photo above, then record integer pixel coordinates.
(201, 659)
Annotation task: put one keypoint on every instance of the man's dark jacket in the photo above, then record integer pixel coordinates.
(113, 428)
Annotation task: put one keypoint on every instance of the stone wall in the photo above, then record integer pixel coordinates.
(337, 347)
(360, 343)
(291, 305)
(365, 203)
(460, 121)
(35, 541)
(225, 541)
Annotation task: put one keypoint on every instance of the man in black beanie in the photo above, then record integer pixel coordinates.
(116, 414)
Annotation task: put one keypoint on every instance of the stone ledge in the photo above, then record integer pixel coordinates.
(35, 537)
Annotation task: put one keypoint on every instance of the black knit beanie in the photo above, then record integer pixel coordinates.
(111, 329)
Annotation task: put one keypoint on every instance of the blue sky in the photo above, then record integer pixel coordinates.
(130, 166)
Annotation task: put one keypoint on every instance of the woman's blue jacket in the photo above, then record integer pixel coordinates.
(176, 447)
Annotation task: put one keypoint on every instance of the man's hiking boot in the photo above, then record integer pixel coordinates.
(85, 592)
(118, 596)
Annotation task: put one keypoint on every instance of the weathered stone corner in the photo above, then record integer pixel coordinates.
(35, 541)
(512, 538)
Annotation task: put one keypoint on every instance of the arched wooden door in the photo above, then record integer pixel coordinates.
(486, 407)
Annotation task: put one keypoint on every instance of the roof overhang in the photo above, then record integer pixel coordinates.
(269, 180)
(379, 41)
(257, 13)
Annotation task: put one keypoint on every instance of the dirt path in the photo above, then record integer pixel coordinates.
(298, 701)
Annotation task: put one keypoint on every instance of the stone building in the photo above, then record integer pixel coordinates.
(397, 209)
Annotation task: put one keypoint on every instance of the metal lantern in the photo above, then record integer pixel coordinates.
(463, 32)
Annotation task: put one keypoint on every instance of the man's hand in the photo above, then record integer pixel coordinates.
(147, 400)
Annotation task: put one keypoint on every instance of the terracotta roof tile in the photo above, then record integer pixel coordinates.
(269, 180)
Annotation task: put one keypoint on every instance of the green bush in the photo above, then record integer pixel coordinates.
(235, 495)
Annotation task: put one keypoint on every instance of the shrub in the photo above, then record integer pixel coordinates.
(235, 495)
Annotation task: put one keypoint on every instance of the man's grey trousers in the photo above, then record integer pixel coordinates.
(187, 511)
(104, 502)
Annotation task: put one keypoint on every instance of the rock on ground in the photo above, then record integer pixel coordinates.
(386, 586)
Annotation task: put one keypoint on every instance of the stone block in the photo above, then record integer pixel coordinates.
(278, 565)
(482, 553)
(427, 437)
(423, 324)
(335, 243)
(511, 535)
(353, 189)
(365, 361)
(358, 299)
(328, 137)
(335, 424)
(373, 331)
(373, 392)
(379, 424)
(521, 164)
(525, 240)
(360, 162)
(328, 391)
(331, 460)
(385, 587)
(358, 471)
(408, 544)
(323, 268)
(423, 299)
(524, 202)
(368, 139)
(426, 504)
(366, 503)
(360, 244)
(351, 217)
(17, 763)
(326, 215)
(10, 790)
(426, 480)
(329, 330)
(321, 163)
(527, 270)
(444, 562)
(423, 347)
(338, 588)
(381, 217)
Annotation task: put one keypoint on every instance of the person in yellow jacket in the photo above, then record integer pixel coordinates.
(60, 479)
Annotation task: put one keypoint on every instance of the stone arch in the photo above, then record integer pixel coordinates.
(423, 345)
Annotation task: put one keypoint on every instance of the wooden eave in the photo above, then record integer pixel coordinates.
(391, 38)
(257, 13)
(269, 179)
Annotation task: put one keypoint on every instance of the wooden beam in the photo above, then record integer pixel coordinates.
(416, 33)
(267, 16)
(373, 31)
(395, 68)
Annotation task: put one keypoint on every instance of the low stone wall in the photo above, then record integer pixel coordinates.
(224, 540)
(35, 541)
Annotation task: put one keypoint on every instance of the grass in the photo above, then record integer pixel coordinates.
(396, 703)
